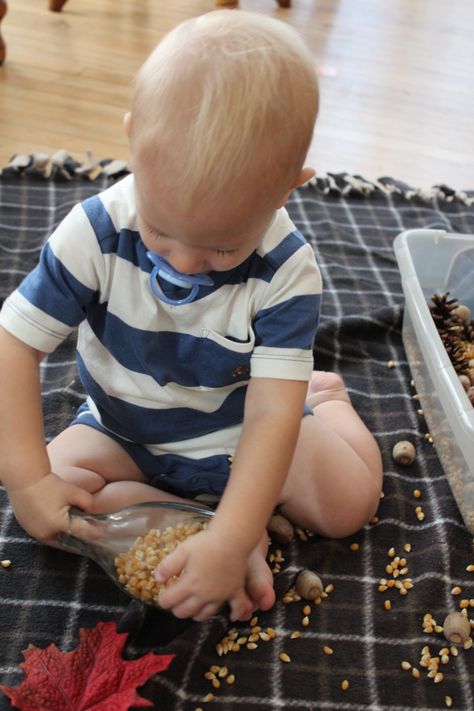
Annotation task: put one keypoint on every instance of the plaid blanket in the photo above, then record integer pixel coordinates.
(48, 595)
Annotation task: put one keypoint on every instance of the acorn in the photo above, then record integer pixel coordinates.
(309, 585)
(280, 529)
(404, 453)
(456, 628)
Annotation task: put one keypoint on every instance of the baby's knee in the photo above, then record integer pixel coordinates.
(355, 512)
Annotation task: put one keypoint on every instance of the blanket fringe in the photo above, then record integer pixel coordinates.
(61, 166)
(345, 184)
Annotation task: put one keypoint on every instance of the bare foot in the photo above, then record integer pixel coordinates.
(323, 386)
(259, 585)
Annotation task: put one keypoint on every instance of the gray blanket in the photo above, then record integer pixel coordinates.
(48, 595)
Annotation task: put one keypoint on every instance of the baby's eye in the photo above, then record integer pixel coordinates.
(153, 231)
(224, 252)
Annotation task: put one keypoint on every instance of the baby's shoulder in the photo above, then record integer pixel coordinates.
(113, 210)
(281, 240)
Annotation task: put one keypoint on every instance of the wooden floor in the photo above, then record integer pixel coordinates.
(396, 79)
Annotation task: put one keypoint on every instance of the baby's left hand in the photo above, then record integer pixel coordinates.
(211, 574)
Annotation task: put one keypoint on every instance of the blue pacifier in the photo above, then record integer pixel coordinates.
(185, 281)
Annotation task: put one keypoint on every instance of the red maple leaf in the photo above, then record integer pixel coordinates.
(93, 677)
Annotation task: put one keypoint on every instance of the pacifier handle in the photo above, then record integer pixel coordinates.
(186, 281)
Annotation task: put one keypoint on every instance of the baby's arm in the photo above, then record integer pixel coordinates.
(214, 563)
(40, 499)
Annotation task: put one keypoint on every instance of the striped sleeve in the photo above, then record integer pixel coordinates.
(50, 302)
(286, 323)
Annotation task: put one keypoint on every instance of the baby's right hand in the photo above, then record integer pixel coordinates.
(42, 508)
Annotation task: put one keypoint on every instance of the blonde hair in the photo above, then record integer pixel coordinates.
(226, 100)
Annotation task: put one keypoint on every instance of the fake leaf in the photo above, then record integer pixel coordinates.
(93, 677)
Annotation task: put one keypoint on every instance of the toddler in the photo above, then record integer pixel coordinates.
(197, 302)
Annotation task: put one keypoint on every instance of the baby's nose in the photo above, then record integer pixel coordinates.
(187, 261)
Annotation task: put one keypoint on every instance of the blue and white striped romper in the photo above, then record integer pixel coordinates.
(168, 382)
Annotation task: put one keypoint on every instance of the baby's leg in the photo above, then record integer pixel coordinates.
(334, 483)
(93, 461)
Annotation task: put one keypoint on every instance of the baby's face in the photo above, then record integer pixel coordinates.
(214, 239)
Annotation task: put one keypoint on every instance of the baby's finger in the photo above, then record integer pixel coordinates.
(173, 596)
(81, 498)
(241, 606)
(188, 608)
(79, 527)
(173, 564)
(206, 612)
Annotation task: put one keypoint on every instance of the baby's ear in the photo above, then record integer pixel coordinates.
(127, 122)
(303, 177)
(306, 174)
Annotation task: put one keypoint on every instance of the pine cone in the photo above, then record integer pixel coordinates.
(442, 307)
(456, 335)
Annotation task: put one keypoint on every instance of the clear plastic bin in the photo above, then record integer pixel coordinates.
(433, 261)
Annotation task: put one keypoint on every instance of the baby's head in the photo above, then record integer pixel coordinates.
(222, 115)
